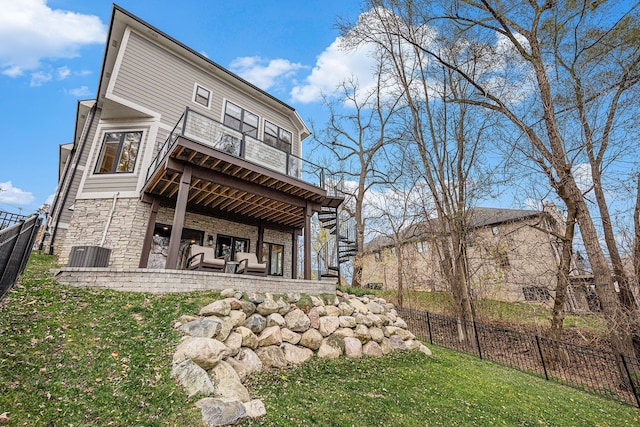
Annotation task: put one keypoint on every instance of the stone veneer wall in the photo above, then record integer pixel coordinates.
(126, 232)
(166, 281)
(124, 236)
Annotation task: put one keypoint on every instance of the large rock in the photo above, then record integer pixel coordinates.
(289, 336)
(270, 336)
(385, 345)
(227, 383)
(216, 308)
(362, 333)
(399, 323)
(247, 307)
(297, 321)
(375, 308)
(347, 322)
(425, 350)
(328, 325)
(237, 317)
(362, 319)
(268, 307)
(317, 302)
(207, 327)
(345, 309)
(219, 412)
(352, 348)
(284, 306)
(192, 378)
(389, 330)
(256, 323)
(255, 408)
(314, 318)
(249, 339)
(331, 348)
(275, 319)
(344, 332)
(206, 352)
(225, 330)
(272, 357)
(233, 343)
(234, 303)
(404, 334)
(376, 334)
(358, 306)
(227, 293)
(331, 310)
(311, 339)
(245, 363)
(296, 355)
(375, 319)
(412, 344)
(397, 343)
(372, 348)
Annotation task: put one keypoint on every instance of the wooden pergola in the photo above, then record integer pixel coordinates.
(199, 178)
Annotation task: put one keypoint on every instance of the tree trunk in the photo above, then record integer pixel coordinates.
(399, 267)
(557, 314)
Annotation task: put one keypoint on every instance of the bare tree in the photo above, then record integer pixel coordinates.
(520, 78)
(357, 136)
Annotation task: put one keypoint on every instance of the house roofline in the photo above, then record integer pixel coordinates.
(118, 9)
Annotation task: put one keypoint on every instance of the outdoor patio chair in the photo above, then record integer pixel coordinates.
(248, 264)
(203, 258)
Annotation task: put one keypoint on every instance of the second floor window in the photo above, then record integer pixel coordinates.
(241, 120)
(202, 96)
(277, 137)
(119, 152)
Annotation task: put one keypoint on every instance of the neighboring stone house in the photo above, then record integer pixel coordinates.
(177, 150)
(512, 255)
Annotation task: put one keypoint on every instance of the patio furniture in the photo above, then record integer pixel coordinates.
(203, 258)
(248, 264)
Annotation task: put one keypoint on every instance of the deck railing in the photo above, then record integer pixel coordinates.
(213, 134)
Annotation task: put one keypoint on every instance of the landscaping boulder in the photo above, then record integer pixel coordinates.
(245, 363)
(289, 336)
(270, 336)
(256, 323)
(328, 325)
(227, 382)
(311, 339)
(297, 321)
(296, 355)
(249, 339)
(352, 348)
(205, 352)
(192, 378)
(272, 357)
(255, 408)
(207, 327)
(372, 348)
(221, 412)
(216, 308)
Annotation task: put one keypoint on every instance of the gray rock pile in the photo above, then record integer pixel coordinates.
(238, 335)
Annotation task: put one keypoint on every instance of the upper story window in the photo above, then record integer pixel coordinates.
(202, 96)
(119, 152)
(241, 120)
(422, 246)
(277, 137)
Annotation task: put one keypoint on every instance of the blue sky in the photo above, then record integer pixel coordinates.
(51, 53)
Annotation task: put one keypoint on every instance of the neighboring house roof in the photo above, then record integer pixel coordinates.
(479, 217)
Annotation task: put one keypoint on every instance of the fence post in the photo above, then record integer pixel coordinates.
(544, 366)
(429, 326)
(630, 379)
(13, 247)
(475, 331)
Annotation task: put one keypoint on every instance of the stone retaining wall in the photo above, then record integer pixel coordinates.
(166, 281)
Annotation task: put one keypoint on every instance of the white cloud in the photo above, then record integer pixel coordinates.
(30, 31)
(334, 66)
(14, 196)
(264, 73)
(79, 92)
(63, 73)
(583, 177)
(39, 78)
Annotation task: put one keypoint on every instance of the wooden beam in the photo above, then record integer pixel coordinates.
(178, 219)
(148, 236)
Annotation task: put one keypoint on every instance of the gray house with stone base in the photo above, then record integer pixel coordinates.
(177, 151)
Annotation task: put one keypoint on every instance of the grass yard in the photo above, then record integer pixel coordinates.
(77, 357)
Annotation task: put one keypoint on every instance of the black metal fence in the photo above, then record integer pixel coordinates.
(15, 247)
(610, 375)
(7, 219)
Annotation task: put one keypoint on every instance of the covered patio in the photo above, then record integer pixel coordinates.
(207, 168)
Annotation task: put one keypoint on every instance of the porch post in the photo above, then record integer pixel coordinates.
(260, 241)
(148, 236)
(294, 253)
(307, 242)
(178, 218)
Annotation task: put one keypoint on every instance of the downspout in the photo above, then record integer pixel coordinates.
(109, 218)
(73, 174)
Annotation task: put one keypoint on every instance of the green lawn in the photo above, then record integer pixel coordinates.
(75, 357)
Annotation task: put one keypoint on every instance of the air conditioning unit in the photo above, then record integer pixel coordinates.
(89, 256)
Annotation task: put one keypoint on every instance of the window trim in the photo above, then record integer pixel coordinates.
(234, 239)
(243, 111)
(114, 168)
(278, 137)
(194, 99)
(270, 253)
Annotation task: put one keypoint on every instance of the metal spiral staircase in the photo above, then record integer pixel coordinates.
(345, 243)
